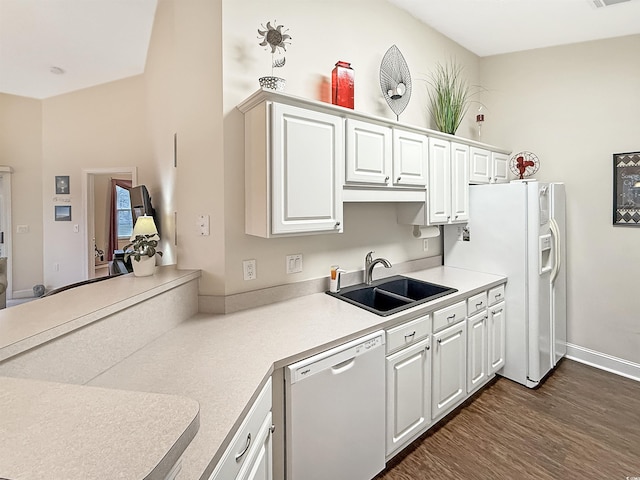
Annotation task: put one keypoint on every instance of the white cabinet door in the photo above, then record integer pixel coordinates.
(369, 153)
(408, 394)
(496, 337)
(449, 381)
(500, 167)
(480, 165)
(306, 194)
(476, 351)
(459, 182)
(259, 466)
(439, 181)
(410, 154)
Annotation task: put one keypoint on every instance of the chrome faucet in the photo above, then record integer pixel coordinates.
(369, 263)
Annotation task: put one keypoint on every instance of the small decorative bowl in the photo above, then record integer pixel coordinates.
(273, 83)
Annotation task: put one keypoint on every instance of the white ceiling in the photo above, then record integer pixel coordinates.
(490, 27)
(93, 41)
(98, 41)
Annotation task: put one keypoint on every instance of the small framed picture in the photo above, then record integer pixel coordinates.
(62, 184)
(63, 213)
(626, 189)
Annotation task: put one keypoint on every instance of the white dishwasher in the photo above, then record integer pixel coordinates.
(335, 412)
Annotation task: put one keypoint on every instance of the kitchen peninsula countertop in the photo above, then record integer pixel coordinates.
(34, 323)
(222, 360)
(86, 433)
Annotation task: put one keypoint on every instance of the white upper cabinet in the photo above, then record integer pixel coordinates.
(500, 165)
(448, 190)
(459, 182)
(410, 156)
(440, 181)
(488, 167)
(369, 153)
(293, 171)
(384, 156)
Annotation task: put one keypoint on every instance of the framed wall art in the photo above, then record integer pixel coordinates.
(63, 213)
(62, 184)
(626, 189)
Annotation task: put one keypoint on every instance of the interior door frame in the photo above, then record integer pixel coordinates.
(6, 174)
(88, 174)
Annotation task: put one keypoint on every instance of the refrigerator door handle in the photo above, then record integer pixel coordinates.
(555, 232)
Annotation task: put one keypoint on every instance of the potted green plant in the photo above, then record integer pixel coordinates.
(449, 96)
(143, 250)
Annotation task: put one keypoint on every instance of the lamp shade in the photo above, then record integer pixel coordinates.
(144, 226)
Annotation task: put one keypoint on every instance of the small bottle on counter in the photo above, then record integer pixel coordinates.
(334, 278)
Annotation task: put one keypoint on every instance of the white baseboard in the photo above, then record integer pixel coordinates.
(604, 361)
(22, 293)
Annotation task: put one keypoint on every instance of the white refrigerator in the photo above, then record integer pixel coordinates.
(518, 230)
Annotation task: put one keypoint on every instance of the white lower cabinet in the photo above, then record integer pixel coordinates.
(496, 337)
(408, 394)
(477, 363)
(449, 382)
(249, 453)
(260, 465)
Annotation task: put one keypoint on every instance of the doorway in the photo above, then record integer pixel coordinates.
(95, 210)
(6, 226)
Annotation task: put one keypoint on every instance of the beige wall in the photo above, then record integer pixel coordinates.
(574, 106)
(323, 33)
(21, 149)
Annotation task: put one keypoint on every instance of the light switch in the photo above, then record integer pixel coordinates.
(203, 225)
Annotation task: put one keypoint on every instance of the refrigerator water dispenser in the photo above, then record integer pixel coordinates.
(544, 250)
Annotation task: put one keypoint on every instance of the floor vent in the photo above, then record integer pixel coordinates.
(607, 3)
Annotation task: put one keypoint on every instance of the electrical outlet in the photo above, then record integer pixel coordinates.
(249, 269)
(425, 244)
(294, 263)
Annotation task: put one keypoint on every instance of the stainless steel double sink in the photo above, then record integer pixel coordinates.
(391, 295)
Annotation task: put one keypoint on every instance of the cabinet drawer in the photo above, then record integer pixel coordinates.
(407, 333)
(496, 294)
(450, 315)
(476, 303)
(245, 439)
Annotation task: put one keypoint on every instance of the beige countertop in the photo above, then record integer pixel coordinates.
(55, 430)
(34, 323)
(222, 360)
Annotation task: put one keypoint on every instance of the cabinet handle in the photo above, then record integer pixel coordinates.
(456, 217)
(452, 317)
(498, 295)
(439, 341)
(399, 179)
(337, 224)
(495, 312)
(410, 335)
(428, 347)
(246, 447)
(273, 428)
(478, 305)
(386, 179)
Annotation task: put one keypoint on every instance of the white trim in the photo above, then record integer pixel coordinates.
(603, 361)
(6, 174)
(28, 293)
(87, 207)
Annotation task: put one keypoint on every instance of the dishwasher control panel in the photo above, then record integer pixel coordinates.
(335, 359)
(369, 344)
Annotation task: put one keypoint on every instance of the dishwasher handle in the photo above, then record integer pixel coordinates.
(343, 366)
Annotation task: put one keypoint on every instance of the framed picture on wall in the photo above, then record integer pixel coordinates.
(63, 213)
(62, 184)
(626, 189)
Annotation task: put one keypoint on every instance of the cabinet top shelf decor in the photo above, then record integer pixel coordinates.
(266, 95)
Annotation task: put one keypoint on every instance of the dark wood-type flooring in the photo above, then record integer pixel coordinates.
(582, 423)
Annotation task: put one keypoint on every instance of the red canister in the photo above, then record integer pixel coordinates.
(342, 85)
